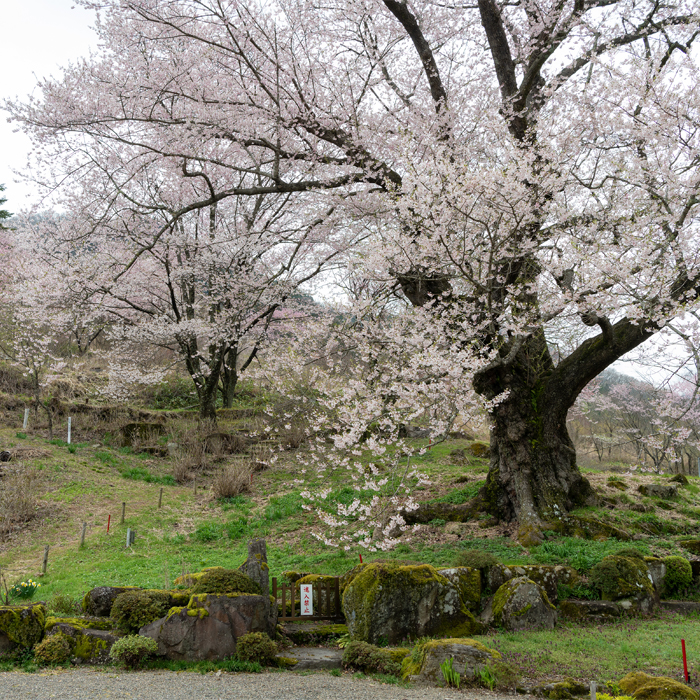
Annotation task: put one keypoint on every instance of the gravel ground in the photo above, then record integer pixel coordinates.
(88, 684)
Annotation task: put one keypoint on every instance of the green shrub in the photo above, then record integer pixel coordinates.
(679, 574)
(63, 604)
(256, 646)
(55, 649)
(131, 651)
(369, 659)
(617, 577)
(476, 559)
(225, 581)
(134, 609)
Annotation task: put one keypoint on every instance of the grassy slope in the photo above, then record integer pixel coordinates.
(86, 483)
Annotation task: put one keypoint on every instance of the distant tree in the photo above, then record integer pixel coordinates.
(4, 214)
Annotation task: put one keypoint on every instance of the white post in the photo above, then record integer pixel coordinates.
(69, 422)
(26, 420)
(593, 689)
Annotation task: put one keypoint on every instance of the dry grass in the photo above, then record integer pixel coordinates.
(19, 497)
(232, 480)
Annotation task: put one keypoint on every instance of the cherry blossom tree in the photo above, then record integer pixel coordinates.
(527, 165)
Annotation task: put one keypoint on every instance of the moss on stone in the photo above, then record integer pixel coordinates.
(468, 581)
(571, 611)
(287, 662)
(79, 623)
(23, 624)
(621, 577)
(398, 654)
(88, 648)
(645, 687)
(405, 583)
(225, 581)
(189, 580)
(56, 649)
(412, 664)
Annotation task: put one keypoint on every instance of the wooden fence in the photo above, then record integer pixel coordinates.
(326, 600)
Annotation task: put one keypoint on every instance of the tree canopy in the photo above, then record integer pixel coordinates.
(519, 167)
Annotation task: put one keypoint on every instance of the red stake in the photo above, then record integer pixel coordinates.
(109, 517)
(685, 661)
(360, 559)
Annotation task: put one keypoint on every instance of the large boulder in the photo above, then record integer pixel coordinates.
(468, 581)
(207, 629)
(523, 604)
(626, 580)
(98, 602)
(645, 687)
(468, 658)
(549, 577)
(21, 625)
(387, 602)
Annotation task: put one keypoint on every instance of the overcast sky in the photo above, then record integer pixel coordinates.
(38, 37)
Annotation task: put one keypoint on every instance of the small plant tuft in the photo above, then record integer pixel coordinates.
(449, 674)
(369, 658)
(53, 650)
(131, 651)
(256, 646)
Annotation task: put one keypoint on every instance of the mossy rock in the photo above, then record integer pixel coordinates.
(691, 545)
(468, 658)
(369, 658)
(561, 690)
(468, 581)
(645, 687)
(587, 528)
(523, 604)
(98, 602)
(479, 449)
(313, 632)
(550, 577)
(618, 484)
(681, 479)
(23, 625)
(188, 580)
(225, 581)
(619, 577)
(141, 432)
(679, 574)
(294, 576)
(394, 602)
(78, 623)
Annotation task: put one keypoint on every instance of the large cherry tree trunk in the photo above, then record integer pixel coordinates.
(533, 477)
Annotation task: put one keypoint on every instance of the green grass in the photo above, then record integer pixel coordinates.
(604, 653)
(139, 473)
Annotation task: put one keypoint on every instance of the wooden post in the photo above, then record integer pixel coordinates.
(123, 512)
(195, 485)
(26, 419)
(45, 563)
(291, 596)
(337, 597)
(160, 497)
(82, 535)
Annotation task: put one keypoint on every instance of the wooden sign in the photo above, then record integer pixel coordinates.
(307, 599)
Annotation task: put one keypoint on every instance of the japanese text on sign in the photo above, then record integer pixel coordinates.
(307, 599)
